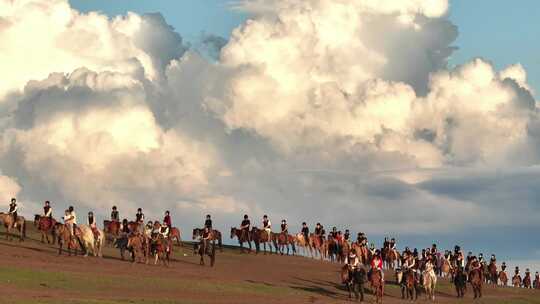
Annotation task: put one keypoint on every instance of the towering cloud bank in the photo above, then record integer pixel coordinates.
(312, 106)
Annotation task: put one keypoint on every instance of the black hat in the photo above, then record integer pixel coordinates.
(245, 216)
(114, 207)
(13, 199)
(70, 208)
(208, 216)
(304, 223)
(139, 209)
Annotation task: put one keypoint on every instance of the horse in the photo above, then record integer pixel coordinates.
(345, 248)
(301, 241)
(317, 243)
(160, 248)
(284, 240)
(492, 273)
(332, 248)
(503, 278)
(391, 257)
(377, 284)
(207, 247)
(446, 268)
(174, 234)
(139, 245)
(363, 253)
(261, 236)
(430, 282)
(353, 279)
(476, 282)
(92, 241)
(214, 235)
(111, 228)
(242, 237)
(409, 286)
(45, 225)
(122, 244)
(64, 237)
(460, 282)
(527, 281)
(516, 280)
(7, 219)
(536, 283)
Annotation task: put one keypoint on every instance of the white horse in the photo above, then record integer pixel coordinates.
(87, 237)
(430, 281)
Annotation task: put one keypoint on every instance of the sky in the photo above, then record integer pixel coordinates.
(302, 112)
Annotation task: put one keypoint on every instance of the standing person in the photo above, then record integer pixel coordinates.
(139, 217)
(13, 211)
(93, 225)
(267, 225)
(208, 222)
(167, 219)
(115, 215)
(305, 232)
(245, 226)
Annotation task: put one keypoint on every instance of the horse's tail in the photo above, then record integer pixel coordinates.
(220, 243)
(24, 229)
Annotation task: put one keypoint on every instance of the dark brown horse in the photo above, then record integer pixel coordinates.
(492, 275)
(215, 235)
(261, 236)
(317, 243)
(45, 225)
(160, 248)
(476, 280)
(207, 247)
(391, 257)
(409, 286)
(174, 234)
(460, 282)
(527, 282)
(516, 280)
(243, 236)
(283, 241)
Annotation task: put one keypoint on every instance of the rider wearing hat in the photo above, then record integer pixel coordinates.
(139, 216)
(284, 226)
(305, 232)
(319, 232)
(376, 263)
(167, 219)
(208, 222)
(13, 211)
(47, 210)
(244, 226)
(70, 220)
(347, 235)
(372, 248)
(92, 224)
(115, 215)
(267, 225)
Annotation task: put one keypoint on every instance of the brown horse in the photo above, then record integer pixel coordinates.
(476, 280)
(391, 256)
(160, 248)
(174, 234)
(215, 235)
(261, 236)
(112, 228)
(409, 286)
(446, 268)
(7, 219)
(377, 284)
(139, 244)
(503, 278)
(363, 253)
(527, 282)
(207, 247)
(318, 245)
(283, 241)
(65, 237)
(516, 280)
(45, 225)
(301, 241)
(242, 237)
(460, 282)
(492, 275)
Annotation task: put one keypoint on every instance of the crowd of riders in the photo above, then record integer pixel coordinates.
(411, 260)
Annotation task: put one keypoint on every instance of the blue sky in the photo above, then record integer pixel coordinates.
(491, 29)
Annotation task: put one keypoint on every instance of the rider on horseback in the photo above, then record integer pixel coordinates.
(124, 227)
(115, 216)
(377, 263)
(372, 248)
(13, 211)
(319, 232)
(347, 235)
(208, 222)
(305, 232)
(139, 217)
(352, 261)
(70, 220)
(92, 224)
(244, 226)
(503, 266)
(284, 227)
(267, 225)
(47, 210)
(409, 263)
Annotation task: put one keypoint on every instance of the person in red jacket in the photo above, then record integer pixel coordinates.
(377, 263)
(167, 219)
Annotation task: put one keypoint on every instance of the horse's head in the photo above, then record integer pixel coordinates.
(233, 232)
(195, 233)
(37, 217)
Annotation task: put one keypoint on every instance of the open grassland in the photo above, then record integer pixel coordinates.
(31, 272)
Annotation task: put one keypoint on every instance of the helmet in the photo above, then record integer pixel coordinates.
(392, 239)
(114, 207)
(47, 202)
(283, 221)
(70, 208)
(265, 216)
(245, 216)
(346, 230)
(139, 209)
(304, 223)
(318, 224)
(208, 216)
(90, 213)
(13, 200)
